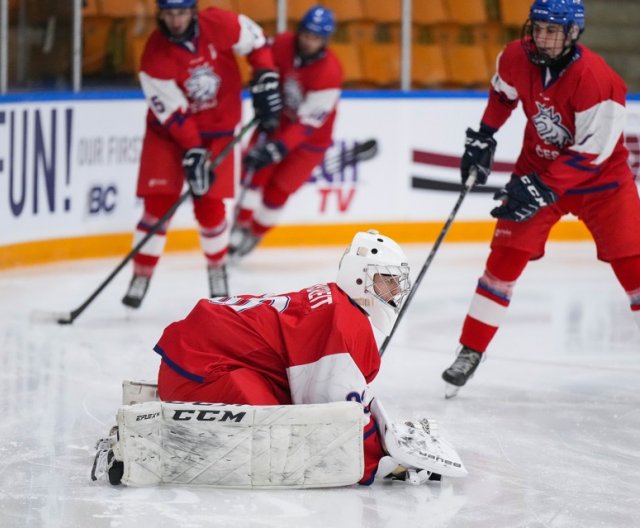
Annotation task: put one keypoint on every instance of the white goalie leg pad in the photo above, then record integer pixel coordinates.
(139, 392)
(241, 446)
(417, 444)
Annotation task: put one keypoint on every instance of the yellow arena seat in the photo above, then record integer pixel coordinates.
(123, 8)
(467, 66)
(381, 64)
(429, 12)
(387, 11)
(514, 12)
(467, 12)
(428, 66)
(349, 56)
(261, 11)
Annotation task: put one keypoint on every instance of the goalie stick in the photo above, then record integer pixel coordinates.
(445, 229)
(69, 317)
(337, 162)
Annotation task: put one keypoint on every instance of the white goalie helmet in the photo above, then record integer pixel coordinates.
(374, 272)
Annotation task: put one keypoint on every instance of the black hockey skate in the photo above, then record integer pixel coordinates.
(460, 371)
(217, 277)
(137, 290)
(242, 242)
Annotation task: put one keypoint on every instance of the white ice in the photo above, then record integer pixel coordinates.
(549, 427)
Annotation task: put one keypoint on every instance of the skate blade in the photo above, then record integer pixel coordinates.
(450, 391)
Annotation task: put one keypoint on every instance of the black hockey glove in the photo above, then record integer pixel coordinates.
(267, 101)
(522, 198)
(479, 148)
(197, 170)
(260, 157)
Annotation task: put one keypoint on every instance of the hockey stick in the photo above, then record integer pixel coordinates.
(69, 317)
(465, 190)
(360, 152)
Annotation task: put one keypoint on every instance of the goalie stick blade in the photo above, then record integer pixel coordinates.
(44, 316)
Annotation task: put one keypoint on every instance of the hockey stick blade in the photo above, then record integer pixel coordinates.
(360, 152)
(44, 316)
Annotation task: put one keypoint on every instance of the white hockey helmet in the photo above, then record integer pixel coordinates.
(374, 272)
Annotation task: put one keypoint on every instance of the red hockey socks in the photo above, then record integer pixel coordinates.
(627, 271)
(145, 261)
(492, 297)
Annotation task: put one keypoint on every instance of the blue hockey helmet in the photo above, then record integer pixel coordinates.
(192, 28)
(552, 11)
(567, 13)
(578, 13)
(318, 20)
(175, 4)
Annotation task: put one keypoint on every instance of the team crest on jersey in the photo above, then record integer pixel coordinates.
(549, 126)
(202, 86)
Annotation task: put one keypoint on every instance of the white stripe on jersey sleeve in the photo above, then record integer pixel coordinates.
(317, 106)
(163, 96)
(332, 378)
(502, 87)
(251, 36)
(598, 129)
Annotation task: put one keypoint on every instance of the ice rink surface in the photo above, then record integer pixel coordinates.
(549, 427)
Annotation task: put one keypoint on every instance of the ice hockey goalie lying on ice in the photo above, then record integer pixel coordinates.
(286, 377)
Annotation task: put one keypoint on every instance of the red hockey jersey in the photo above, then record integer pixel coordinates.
(194, 89)
(573, 137)
(314, 346)
(310, 93)
(294, 339)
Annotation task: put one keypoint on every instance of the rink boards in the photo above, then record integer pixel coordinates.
(68, 169)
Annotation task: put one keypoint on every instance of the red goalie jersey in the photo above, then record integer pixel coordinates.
(573, 138)
(310, 346)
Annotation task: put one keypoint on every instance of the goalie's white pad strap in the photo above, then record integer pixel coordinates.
(241, 446)
(139, 392)
(414, 445)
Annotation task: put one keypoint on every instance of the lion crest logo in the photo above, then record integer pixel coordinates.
(549, 126)
(202, 84)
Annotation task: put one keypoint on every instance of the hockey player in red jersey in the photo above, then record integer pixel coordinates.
(573, 160)
(191, 80)
(315, 345)
(279, 164)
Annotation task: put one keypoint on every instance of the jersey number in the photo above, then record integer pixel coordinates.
(240, 304)
(158, 105)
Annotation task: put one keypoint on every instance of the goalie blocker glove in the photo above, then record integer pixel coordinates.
(260, 157)
(522, 198)
(479, 148)
(267, 101)
(196, 163)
